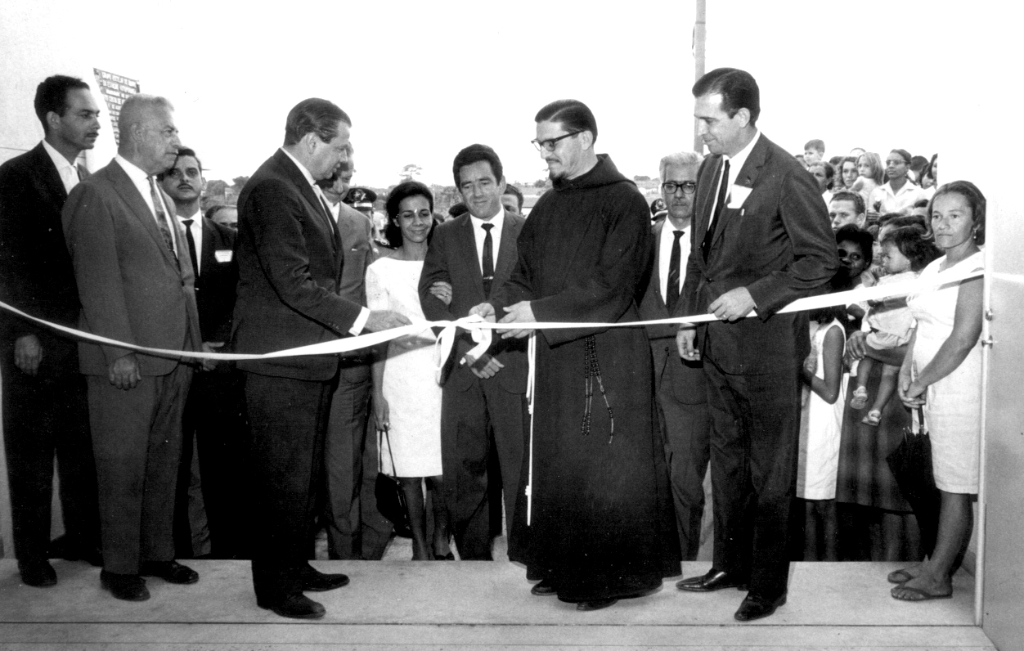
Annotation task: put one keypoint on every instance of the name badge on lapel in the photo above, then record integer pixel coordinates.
(737, 195)
(223, 255)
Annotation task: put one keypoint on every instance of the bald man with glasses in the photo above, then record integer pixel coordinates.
(679, 384)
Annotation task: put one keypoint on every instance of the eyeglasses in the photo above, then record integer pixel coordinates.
(549, 144)
(688, 187)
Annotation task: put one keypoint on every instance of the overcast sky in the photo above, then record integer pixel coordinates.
(421, 80)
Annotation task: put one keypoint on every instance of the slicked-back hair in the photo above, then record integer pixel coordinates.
(856, 198)
(875, 163)
(681, 158)
(134, 107)
(474, 154)
(975, 199)
(860, 237)
(517, 193)
(737, 88)
(314, 115)
(52, 95)
(401, 192)
(182, 153)
(573, 115)
(912, 243)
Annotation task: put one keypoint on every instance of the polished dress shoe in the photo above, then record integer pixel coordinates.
(127, 587)
(170, 571)
(37, 573)
(320, 582)
(295, 606)
(545, 588)
(758, 607)
(713, 580)
(595, 604)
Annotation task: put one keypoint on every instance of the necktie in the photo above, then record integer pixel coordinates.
(672, 291)
(488, 259)
(161, 216)
(191, 246)
(723, 190)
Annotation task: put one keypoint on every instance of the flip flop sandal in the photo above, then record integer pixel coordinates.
(916, 594)
(860, 398)
(899, 576)
(873, 418)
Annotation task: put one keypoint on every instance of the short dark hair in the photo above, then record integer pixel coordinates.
(573, 114)
(912, 243)
(854, 197)
(737, 88)
(517, 193)
(899, 220)
(52, 95)
(860, 237)
(975, 199)
(214, 209)
(182, 152)
(402, 191)
(314, 115)
(904, 154)
(475, 154)
(816, 145)
(830, 173)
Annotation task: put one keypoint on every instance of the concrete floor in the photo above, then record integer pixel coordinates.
(398, 604)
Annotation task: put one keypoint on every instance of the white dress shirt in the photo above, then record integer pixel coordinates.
(735, 165)
(197, 235)
(364, 314)
(665, 254)
(68, 172)
(479, 233)
(141, 181)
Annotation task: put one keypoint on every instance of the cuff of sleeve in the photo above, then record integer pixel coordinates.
(360, 322)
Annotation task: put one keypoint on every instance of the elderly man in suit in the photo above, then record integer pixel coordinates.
(761, 240)
(483, 403)
(44, 402)
(290, 257)
(678, 384)
(209, 516)
(135, 283)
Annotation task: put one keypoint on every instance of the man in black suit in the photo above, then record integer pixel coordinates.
(762, 240)
(679, 385)
(483, 402)
(45, 411)
(208, 510)
(290, 257)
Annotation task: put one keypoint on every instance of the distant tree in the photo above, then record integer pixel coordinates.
(641, 178)
(216, 188)
(410, 171)
(540, 183)
(239, 182)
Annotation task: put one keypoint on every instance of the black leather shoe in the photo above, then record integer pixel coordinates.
(37, 573)
(713, 580)
(757, 607)
(320, 582)
(544, 589)
(127, 587)
(295, 606)
(170, 571)
(595, 604)
(64, 547)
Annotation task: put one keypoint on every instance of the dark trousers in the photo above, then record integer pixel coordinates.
(43, 416)
(686, 428)
(755, 421)
(136, 439)
(288, 421)
(474, 421)
(355, 530)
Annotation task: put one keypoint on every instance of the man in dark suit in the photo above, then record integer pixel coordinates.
(135, 283)
(290, 257)
(355, 530)
(679, 385)
(483, 402)
(762, 240)
(208, 512)
(45, 410)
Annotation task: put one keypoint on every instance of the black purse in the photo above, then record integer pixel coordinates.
(911, 465)
(389, 494)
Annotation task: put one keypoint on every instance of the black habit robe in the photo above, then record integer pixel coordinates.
(602, 522)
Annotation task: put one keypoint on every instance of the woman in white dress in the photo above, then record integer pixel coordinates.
(942, 373)
(406, 397)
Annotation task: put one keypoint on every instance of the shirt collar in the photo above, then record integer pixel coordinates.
(134, 172)
(302, 168)
(58, 158)
(497, 220)
(194, 216)
(736, 162)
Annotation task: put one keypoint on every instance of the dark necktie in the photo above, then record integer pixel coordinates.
(672, 291)
(723, 191)
(161, 216)
(488, 262)
(191, 246)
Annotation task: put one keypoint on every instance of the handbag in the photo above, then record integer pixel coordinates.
(388, 492)
(911, 465)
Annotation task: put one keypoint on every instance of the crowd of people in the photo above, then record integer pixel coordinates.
(600, 478)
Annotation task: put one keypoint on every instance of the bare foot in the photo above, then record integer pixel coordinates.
(923, 588)
(904, 575)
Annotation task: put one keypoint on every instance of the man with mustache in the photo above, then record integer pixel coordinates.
(135, 283)
(44, 405)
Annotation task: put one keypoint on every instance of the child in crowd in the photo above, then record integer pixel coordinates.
(821, 423)
(905, 252)
(855, 256)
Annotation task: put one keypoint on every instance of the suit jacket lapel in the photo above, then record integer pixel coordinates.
(124, 187)
(746, 177)
(470, 263)
(288, 167)
(48, 178)
(656, 271)
(506, 261)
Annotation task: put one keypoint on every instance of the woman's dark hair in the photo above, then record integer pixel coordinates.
(402, 191)
(975, 199)
(860, 237)
(912, 244)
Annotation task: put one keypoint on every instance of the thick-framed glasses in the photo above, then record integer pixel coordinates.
(688, 187)
(551, 143)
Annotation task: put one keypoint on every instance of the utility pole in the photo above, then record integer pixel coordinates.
(699, 36)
